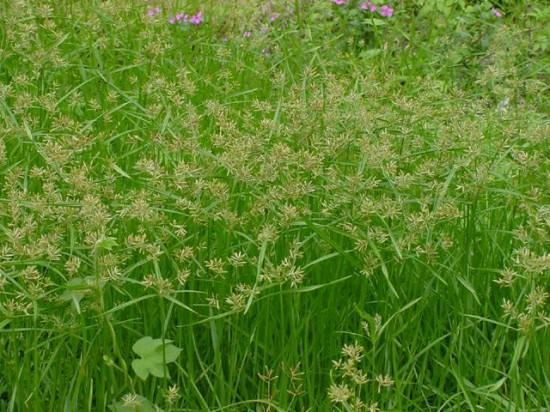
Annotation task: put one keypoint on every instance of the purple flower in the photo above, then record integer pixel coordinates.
(247, 34)
(196, 19)
(386, 11)
(152, 12)
(178, 18)
(368, 6)
(496, 12)
(338, 1)
(274, 17)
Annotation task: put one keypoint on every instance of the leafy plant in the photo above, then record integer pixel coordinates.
(106, 243)
(445, 6)
(76, 290)
(155, 354)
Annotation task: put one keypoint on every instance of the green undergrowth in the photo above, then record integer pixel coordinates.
(289, 206)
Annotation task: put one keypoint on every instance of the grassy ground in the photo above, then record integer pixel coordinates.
(288, 206)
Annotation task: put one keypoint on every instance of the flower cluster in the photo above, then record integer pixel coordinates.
(184, 18)
(351, 380)
(153, 12)
(195, 19)
(368, 6)
(497, 13)
(385, 10)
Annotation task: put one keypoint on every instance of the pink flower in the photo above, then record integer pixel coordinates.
(496, 12)
(152, 12)
(247, 34)
(196, 19)
(338, 1)
(274, 17)
(368, 6)
(178, 18)
(386, 11)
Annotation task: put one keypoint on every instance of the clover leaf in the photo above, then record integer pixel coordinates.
(155, 355)
(76, 290)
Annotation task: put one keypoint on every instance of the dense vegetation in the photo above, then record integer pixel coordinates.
(274, 205)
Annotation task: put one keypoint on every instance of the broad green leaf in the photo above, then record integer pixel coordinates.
(154, 356)
(75, 290)
(375, 22)
(106, 243)
(138, 404)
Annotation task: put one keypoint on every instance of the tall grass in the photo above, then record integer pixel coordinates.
(335, 211)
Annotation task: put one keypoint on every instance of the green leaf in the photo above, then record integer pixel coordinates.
(106, 243)
(76, 290)
(154, 356)
(427, 8)
(369, 54)
(375, 22)
(138, 404)
(120, 171)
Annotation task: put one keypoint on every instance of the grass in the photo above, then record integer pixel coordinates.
(339, 212)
